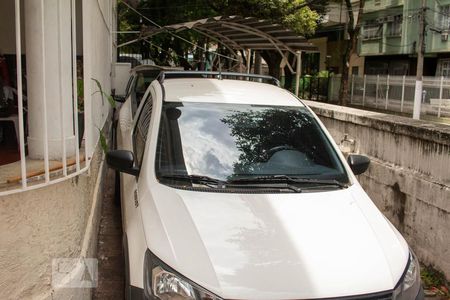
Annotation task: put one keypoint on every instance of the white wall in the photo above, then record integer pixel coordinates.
(321, 43)
(98, 23)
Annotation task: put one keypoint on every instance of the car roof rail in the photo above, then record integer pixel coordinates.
(219, 75)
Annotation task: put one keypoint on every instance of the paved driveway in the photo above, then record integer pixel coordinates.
(110, 256)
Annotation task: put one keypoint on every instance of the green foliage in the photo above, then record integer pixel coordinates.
(80, 92)
(303, 21)
(324, 74)
(108, 97)
(103, 142)
(432, 278)
(298, 15)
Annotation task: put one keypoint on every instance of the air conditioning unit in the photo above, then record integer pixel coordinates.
(444, 36)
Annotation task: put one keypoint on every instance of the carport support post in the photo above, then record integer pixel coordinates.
(353, 88)
(403, 93)
(440, 96)
(240, 63)
(249, 55)
(364, 90)
(387, 92)
(298, 71)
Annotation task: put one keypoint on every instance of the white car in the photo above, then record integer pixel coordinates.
(233, 189)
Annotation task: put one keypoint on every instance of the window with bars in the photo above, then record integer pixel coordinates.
(445, 68)
(394, 26)
(371, 30)
(445, 17)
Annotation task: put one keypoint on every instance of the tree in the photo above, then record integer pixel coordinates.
(353, 30)
(164, 48)
(301, 16)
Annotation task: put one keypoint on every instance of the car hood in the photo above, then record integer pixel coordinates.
(275, 246)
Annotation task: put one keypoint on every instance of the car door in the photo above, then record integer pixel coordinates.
(133, 138)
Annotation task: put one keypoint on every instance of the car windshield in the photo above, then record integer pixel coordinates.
(230, 141)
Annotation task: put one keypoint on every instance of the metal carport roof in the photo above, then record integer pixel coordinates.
(241, 33)
(238, 33)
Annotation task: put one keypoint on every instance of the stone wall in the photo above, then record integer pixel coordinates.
(409, 175)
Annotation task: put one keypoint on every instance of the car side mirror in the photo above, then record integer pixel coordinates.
(122, 161)
(358, 163)
(120, 99)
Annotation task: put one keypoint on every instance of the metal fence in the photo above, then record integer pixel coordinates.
(313, 87)
(396, 93)
(51, 111)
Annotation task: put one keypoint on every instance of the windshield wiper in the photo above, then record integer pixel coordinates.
(290, 179)
(199, 179)
(264, 185)
(213, 182)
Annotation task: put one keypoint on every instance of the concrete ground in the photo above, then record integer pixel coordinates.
(110, 256)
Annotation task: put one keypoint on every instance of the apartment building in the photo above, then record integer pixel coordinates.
(389, 37)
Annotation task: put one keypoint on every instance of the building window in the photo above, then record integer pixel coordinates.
(445, 17)
(394, 26)
(445, 68)
(371, 30)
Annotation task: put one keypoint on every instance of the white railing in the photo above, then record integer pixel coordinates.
(396, 93)
(71, 159)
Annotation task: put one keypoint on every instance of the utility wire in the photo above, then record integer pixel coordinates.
(167, 51)
(439, 12)
(176, 35)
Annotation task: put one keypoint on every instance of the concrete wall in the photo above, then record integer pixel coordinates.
(98, 61)
(409, 175)
(321, 44)
(58, 221)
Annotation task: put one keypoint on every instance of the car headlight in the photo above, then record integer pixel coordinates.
(162, 282)
(409, 285)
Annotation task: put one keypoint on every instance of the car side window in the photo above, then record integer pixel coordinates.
(128, 89)
(140, 131)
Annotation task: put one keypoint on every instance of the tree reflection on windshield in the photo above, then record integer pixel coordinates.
(223, 141)
(257, 132)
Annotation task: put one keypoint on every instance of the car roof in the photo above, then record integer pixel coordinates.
(212, 90)
(143, 68)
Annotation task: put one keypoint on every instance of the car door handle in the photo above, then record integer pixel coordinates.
(136, 199)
